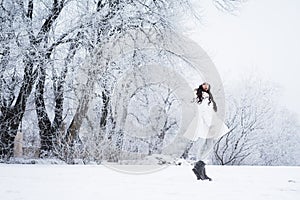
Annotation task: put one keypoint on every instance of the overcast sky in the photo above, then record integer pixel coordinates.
(263, 35)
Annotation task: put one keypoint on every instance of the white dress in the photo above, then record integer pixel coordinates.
(206, 124)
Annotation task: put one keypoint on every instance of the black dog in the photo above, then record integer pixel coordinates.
(199, 170)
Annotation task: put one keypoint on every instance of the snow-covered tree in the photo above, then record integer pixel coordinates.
(261, 131)
(280, 145)
(53, 55)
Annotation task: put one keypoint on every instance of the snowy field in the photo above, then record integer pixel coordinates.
(54, 182)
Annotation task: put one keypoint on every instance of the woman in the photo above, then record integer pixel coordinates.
(209, 127)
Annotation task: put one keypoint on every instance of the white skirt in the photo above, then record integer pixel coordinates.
(206, 124)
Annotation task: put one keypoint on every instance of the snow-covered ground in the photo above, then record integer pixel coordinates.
(55, 182)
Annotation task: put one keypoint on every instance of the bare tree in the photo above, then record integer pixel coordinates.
(249, 111)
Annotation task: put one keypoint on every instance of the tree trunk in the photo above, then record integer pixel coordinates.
(44, 123)
(13, 114)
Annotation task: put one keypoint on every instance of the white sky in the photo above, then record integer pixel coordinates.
(263, 35)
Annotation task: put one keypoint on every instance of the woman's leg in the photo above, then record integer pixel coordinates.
(187, 150)
(206, 147)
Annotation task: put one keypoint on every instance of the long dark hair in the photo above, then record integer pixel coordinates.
(199, 97)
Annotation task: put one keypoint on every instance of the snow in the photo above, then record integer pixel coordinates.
(54, 182)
